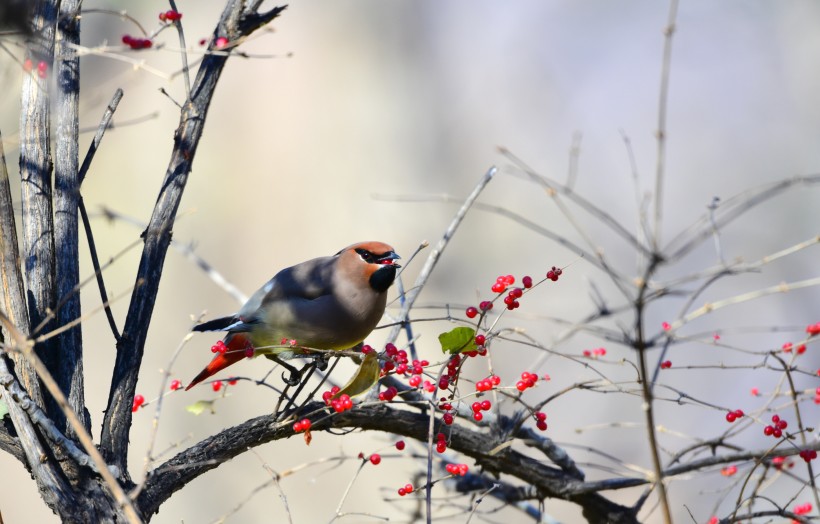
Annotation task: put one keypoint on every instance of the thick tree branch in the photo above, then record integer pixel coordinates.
(69, 371)
(233, 25)
(35, 176)
(14, 301)
(210, 453)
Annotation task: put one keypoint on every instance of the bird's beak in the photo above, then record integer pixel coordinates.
(388, 258)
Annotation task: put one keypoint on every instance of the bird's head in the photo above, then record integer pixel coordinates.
(376, 260)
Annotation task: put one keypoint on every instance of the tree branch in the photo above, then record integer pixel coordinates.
(130, 348)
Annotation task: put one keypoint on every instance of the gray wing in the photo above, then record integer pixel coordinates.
(309, 280)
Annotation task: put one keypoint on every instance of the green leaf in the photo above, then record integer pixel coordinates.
(458, 340)
(198, 407)
(4, 409)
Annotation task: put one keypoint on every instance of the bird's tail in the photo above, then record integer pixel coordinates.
(219, 324)
(237, 345)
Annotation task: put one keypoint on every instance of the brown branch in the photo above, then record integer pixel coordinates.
(14, 301)
(213, 451)
(69, 370)
(234, 23)
(35, 178)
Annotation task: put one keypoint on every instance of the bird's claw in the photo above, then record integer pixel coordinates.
(292, 377)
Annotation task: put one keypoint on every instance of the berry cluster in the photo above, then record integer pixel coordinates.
(396, 359)
(780, 462)
(388, 394)
(788, 347)
(137, 43)
(734, 415)
(457, 469)
(802, 509)
(817, 396)
(450, 377)
(776, 428)
(441, 443)
(42, 67)
(813, 329)
(217, 384)
(502, 283)
(527, 381)
(408, 488)
(728, 471)
(478, 407)
(808, 454)
(340, 404)
(302, 425)
(487, 383)
(541, 420)
(139, 400)
(594, 353)
(511, 300)
(666, 364)
(449, 415)
(170, 16)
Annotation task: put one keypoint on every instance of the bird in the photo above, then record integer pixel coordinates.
(330, 302)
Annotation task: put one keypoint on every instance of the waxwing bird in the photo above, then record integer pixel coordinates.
(324, 303)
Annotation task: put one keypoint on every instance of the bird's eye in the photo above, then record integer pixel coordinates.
(366, 255)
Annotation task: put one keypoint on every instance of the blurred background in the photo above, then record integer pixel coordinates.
(344, 106)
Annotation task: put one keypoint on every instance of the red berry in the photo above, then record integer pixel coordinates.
(478, 416)
(408, 488)
(498, 287)
(471, 312)
(777, 433)
(476, 406)
(175, 385)
(730, 416)
(400, 445)
(516, 292)
(540, 415)
(447, 418)
(163, 17)
(27, 65)
(221, 42)
(486, 305)
(480, 340)
(216, 385)
(375, 458)
(441, 446)
(139, 400)
(541, 425)
(486, 405)
(666, 364)
(768, 430)
(527, 282)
